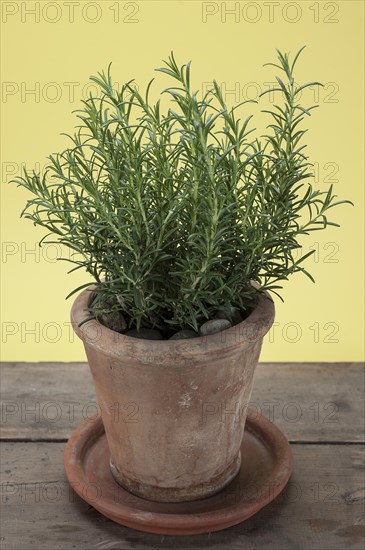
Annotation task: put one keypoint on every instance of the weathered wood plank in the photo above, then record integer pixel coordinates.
(323, 507)
(310, 402)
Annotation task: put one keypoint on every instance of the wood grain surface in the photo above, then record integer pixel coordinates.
(320, 407)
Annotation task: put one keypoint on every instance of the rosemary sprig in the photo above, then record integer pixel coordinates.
(173, 214)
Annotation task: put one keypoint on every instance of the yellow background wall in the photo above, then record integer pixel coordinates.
(49, 49)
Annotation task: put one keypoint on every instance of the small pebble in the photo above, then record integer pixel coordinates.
(213, 326)
(221, 314)
(114, 320)
(183, 334)
(255, 284)
(235, 317)
(145, 334)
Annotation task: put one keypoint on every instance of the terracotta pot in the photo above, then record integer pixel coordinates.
(174, 411)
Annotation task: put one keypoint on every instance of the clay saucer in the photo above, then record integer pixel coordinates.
(265, 470)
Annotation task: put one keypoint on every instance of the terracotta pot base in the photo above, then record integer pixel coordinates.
(264, 471)
(172, 494)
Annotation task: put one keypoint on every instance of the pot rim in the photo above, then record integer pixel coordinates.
(138, 350)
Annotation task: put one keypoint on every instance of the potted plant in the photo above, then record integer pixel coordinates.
(185, 224)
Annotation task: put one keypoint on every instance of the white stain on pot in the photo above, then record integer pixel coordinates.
(186, 396)
(185, 400)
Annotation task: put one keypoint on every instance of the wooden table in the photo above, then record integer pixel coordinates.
(319, 406)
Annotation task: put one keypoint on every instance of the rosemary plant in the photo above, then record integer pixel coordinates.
(174, 213)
